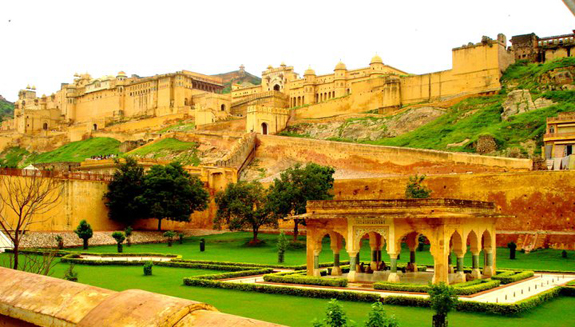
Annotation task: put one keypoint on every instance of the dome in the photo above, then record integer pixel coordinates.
(122, 73)
(270, 67)
(376, 60)
(309, 71)
(283, 64)
(340, 66)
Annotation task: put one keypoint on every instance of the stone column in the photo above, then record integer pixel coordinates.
(375, 245)
(440, 252)
(412, 241)
(488, 269)
(316, 272)
(313, 247)
(393, 277)
(352, 275)
(336, 247)
(357, 262)
(475, 272)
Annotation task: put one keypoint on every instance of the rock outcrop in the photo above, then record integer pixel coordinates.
(518, 102)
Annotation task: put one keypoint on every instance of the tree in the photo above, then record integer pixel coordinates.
(172, 193)
(415, 188)
(244, 205)
(119, 237)
(378, 318)
(282, 246)
(127, 184)
(512, 247)
(23, 201)
(289, 194)
(84, 231)
(170, 236)
(443, 300)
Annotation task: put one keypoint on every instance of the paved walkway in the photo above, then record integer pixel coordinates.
(126, 258)
(504, 294)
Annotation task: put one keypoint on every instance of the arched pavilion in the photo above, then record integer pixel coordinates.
(449, 225)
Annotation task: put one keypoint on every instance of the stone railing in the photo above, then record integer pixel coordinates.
(33, 300)
(258, 96)
(240, 152)
(56, 174)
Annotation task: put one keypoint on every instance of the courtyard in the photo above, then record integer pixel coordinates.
(230, 247)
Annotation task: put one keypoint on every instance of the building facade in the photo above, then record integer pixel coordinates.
(532, 48)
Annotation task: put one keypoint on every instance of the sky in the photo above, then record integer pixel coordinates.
(43, 43)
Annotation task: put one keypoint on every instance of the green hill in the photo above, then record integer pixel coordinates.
(238, 77)
(169, 149)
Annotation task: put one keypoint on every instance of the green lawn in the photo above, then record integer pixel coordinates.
(292, 310)
(184, 152)
(78, 151)
(231, 247)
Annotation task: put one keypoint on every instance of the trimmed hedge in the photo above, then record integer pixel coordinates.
(237, 274)
(567, 291)
(62, 253)
(510, 276)
(285, 290)
(466, 288)
(298, 278)
(262, 265)
(509, 308)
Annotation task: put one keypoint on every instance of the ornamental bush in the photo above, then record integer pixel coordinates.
(378, 318)
(84, 231)
(119, 237)
(297, 278)
(148, 268)
(510, 276)
(170, 236)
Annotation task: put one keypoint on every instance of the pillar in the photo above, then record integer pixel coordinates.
(440, 251)
(375, 243)
(352, 275)
(489, 268)
(313, 247)
(357, 262)
(393, 277)
(316, 272)
(412, 241)
(335, 247)
(475, 272)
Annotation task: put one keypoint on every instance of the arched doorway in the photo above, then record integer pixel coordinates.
(95, 127)
(45, 126)
(223, 107)
(276, 87)
(264, 129)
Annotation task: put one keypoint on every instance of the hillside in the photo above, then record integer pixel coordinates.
(544, 89)
(71, 152)
(6, 108)
(238, 76)
(169, 149)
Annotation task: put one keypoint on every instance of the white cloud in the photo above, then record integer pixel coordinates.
(45, 42)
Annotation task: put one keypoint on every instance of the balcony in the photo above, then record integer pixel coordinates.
(558, 136)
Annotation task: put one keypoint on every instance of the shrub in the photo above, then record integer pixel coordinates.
(60, 242)
(84, 231)
(508, 277)
(181, 237)
(442, 299)
(170, 236)
(378, 318)
(128, 231)
(335, 316)
(148, 268)
(296, 278)
(415, 188)
(70, 274)
(119, 237)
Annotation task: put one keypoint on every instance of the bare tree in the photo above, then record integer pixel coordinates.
(23, 199)
(42, 264)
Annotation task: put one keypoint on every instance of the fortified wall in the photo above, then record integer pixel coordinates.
(381, 159)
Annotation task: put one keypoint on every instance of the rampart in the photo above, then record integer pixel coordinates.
(33, 300)
(240, 152)
(382, 159)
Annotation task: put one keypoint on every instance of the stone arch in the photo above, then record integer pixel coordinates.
(456, 243)
(223, 107)
(486, 240)
(45, 126)
(277, 87)
(264, 129)
(473, 241)
(95, 127)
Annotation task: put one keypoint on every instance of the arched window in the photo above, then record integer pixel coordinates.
(95, 127)
(264, 129)
(276, 87)
(223, 107)
(45, 126)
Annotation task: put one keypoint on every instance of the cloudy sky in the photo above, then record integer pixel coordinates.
(43, 43)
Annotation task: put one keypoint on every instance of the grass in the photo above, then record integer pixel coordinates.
(78, 151)
(181, 127)
(232, 247)
(185, 152)
(300, 311)
(13, 156)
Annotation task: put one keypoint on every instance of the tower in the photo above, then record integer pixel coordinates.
(340, 76)
(309, 86)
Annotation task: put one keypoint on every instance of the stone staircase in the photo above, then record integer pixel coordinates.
(5, 242)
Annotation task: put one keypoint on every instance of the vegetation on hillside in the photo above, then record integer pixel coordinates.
(12, 157)
(236, 77)
(6, 109)
(169, 149)
(462, 125)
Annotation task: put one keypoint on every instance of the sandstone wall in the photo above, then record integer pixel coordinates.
(382, 159)
(543, 201)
